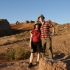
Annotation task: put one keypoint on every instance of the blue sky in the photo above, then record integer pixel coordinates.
(21, 10)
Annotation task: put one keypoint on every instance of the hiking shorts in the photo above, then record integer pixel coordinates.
(35, 47)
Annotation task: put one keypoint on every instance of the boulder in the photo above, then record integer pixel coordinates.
(26, 21)
(5, 28)
(50, 64)
(32, 21)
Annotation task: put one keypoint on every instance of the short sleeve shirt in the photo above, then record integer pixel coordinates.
(45, 30)
(36, 35)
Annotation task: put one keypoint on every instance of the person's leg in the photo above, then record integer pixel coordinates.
(38, 56)
(38, 45)
(43, 47)
(31, 59)
(49, 48)
(31, 55)
(33, 50)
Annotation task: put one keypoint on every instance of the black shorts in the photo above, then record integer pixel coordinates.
(35, 47)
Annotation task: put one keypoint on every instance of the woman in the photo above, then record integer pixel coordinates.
(35, 42)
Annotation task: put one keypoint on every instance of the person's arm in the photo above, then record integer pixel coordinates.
(53, 31)
(30, 38)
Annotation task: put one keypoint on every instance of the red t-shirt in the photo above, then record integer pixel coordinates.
(36, 35)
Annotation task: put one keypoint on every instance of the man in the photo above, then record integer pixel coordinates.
(46, 35)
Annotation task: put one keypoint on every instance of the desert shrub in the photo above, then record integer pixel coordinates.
(20, 54)
(10, 54)
(17, 36)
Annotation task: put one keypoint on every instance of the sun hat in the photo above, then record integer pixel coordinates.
(41, 16)
(36, 22)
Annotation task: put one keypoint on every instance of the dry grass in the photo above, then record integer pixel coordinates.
(18, 54)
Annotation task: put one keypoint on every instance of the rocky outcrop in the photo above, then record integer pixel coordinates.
(5, 28)
(17, 22)
(32, 21)
(4, 24)
(26, 21)
(48, 64)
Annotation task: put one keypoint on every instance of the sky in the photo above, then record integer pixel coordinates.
(20, 10)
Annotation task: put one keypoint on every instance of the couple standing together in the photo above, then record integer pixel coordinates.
(40, 39)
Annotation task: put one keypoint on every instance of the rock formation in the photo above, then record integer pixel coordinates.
(4, 27)
(48, 64)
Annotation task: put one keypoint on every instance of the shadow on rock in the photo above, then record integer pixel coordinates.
(59, 56)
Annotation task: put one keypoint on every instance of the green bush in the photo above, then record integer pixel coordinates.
(20, 54)
(10, 54)
(17, 36)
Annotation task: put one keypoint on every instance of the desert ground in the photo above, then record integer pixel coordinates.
(19, 38)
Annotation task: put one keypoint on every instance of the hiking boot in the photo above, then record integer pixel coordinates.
(30, 65)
